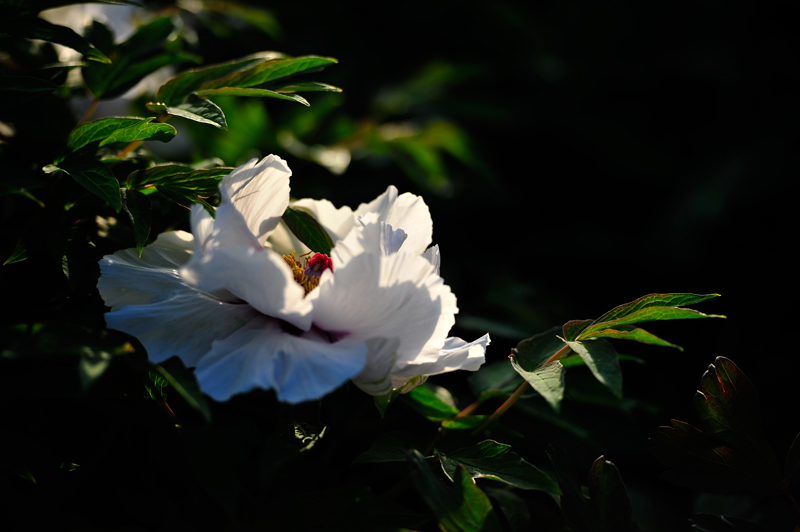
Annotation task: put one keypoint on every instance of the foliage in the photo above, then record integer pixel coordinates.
(98, 434)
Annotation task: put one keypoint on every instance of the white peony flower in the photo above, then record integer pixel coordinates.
(246, 304)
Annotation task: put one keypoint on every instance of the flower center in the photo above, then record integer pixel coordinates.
(307, 271)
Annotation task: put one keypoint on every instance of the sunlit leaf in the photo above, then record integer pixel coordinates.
(270, 71)
(653, 307)
(259, 93)
(462, 507)
(142, 131)
(490, 459)
(463, 423)
(98, 130)
(601, 358)
(547, 380)
(308, 86)
(609, 503)
(429, 404)
(178, 88)
(196, 109)
(637, 335)
(307, 230)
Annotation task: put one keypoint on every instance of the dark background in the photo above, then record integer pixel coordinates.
(615, 150)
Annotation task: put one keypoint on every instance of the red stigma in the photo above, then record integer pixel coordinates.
(320, 262)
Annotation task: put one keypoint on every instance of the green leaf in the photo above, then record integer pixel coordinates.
(653, 307)
(185, 383)
(95, 177)
(25, 84)
(490, 459)
(460, 508)
(179, 183)
(697, 462)
(463, 423)
(308, 230)
(792, 469)
(261, 93)
(137, 205)
(38, 28)
(571, 329)
(728, 405)
(98, 130)
(574, 505)
(382, 402)
(498, 376)
(721, 523)
(637, 335)
(536, 350)
(19, 254)
(429, 404)
(387, 448)
(609, 503)
(196, 109)
(527, 359)
(308, 86)
(547, 380)
(141, 131)
(601, 357)
(177, 89)
(270, 71)
(513, 507)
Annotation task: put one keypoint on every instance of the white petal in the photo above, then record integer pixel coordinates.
(262, 355)
(407, 212)
(376, 377)
(456, 354)
(396, 296)
(230, 258)
(434, 257)
(260, 191)
(150, 301)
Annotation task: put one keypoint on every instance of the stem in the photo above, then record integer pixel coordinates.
(136, 143)
(505, 406)
(90, 111)
(561, 353)
(468, 410)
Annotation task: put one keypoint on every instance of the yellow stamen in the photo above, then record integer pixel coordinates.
(298, 271)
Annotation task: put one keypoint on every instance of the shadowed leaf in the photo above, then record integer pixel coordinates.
(461, 507)
(429, 404)
(387, 448)
(609, 501)
(722, 523)
(490, 459)
(196, 109)
(137, 206)
(792, 469)
(572, 328)
(38, 28)
(527, 359)
(547, 380)
(95, 177)
(601, 357)
(308, 230)
(728, 405)
(574, 505)
(258, 93)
